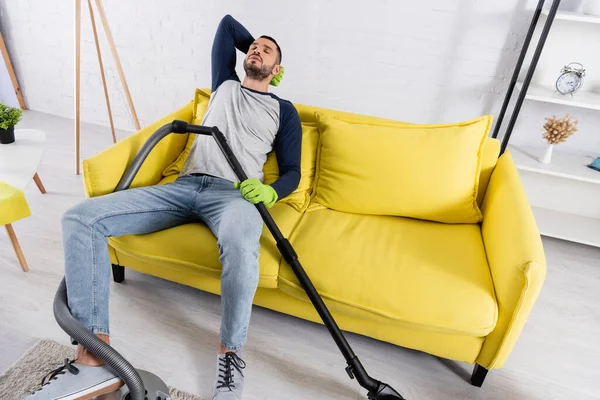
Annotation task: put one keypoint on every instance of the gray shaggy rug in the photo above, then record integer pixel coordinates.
(27, 373)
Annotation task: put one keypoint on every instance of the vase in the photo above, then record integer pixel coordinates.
(545, 159)
(7, 136)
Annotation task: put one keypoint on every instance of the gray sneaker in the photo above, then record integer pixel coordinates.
(229, 382)
(77, 382)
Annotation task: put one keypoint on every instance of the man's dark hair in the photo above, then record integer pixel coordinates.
(276, 44)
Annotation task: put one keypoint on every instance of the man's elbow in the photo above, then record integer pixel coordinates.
(226, 22)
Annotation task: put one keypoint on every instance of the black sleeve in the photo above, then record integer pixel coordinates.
(230, 35)
(288, 149)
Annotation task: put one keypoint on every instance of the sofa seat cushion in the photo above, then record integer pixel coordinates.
(193, 246)
(419, 274)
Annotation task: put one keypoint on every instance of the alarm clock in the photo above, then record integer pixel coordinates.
(570, 79)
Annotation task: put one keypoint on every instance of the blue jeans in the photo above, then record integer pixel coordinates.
(214, 201)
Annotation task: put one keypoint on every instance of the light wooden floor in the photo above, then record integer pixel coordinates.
(172, 330)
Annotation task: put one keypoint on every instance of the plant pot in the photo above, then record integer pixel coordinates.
(7, 136)
(545, 159)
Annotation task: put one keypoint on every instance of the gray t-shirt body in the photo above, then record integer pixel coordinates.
(249, 122)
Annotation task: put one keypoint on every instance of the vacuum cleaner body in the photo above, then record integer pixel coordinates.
(154, 389)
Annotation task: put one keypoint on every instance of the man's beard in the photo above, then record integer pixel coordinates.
(254, 72)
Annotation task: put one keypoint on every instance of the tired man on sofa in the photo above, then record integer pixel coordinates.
(254, 122)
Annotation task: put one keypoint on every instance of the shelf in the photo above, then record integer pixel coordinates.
(572, 16)
(570, 166)
(549, 94)
(574, 228)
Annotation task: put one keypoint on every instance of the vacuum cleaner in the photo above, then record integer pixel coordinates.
(143, 385)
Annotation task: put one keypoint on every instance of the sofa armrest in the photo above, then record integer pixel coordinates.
(515, 257)
(102, 172)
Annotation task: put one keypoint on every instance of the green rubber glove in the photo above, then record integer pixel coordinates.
(277, 78)
(256, 192)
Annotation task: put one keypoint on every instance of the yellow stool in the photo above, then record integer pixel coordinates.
(13, 207)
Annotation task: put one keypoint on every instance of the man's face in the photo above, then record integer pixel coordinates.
(261, 61)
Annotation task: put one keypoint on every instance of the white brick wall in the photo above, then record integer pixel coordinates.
(425, 61)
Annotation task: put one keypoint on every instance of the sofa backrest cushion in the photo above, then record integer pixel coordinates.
(200, 104)
(491, 151)
(428, 172)
(491, 148)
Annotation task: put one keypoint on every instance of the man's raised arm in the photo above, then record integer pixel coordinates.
(230, 35)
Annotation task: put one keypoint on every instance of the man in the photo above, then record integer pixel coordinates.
(254, 122)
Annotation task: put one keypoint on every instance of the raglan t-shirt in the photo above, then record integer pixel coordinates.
(253, 122)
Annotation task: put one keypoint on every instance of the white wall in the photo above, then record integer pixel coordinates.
(7, 90)
(425, 61)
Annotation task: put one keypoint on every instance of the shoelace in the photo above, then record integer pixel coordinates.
(52, 375)
(230, 361)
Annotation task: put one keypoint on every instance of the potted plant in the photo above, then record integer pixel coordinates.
(9, 117)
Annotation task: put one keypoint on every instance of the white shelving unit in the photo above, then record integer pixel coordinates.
(561, 224)
(564, 194)
(568, 166)
(547, 94)
(567, 226)
(571, 16)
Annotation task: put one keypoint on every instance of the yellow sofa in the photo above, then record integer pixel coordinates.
(461, 291)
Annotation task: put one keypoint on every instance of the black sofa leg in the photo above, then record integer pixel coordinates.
(118, 273)
(478, 376)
